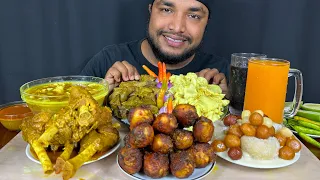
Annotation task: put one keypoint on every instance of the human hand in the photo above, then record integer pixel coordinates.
(214, 77)
(121, 71)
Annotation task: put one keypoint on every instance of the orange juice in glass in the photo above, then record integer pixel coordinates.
(266, 87)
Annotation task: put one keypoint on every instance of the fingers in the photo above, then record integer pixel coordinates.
(209, 75)
(202, 72)
(219, 78)
(132, 72)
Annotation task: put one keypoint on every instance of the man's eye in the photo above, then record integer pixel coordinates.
(166, 10)
(194, 16)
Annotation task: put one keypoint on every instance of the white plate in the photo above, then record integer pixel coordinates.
(198, 173)
(107, 153)
(261, 164)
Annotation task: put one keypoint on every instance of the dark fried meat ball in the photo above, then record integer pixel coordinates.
(156, 165)
(141, 136)
(165, 123)
(162, 143)
(130, 159)
(203, 154)
(182, 164)
(186, 114)
(139, 115)
(182, 139)
(203, 130)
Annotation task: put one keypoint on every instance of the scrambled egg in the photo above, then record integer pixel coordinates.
(194, 90)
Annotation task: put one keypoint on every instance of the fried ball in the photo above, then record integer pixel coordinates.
(282, 140)
(230, 120)
(218, 146)
(203, 130)
(156, 165)
(286, 153)
(130, 159)
(262, 132)
(162, 143)
(141, 136)
(203, 154)
(294, 144)
(182, 164)
(186, 114)
(232, 141)
(256, 119)
(165, 123)
(139, 115)
(272, 131)
(235, 130)
(182, 139)
(235, 153)
(248, 129)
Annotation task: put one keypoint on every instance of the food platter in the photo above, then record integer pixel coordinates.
(198, 173)
(247, 161)
(107, 153)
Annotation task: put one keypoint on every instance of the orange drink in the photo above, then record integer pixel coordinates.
(266, 87)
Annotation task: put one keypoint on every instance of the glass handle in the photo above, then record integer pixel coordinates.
(297, 92)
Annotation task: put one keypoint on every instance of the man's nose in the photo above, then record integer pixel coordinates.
(178, 23)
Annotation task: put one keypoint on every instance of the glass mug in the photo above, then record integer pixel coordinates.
(237, 80)
(266, 87)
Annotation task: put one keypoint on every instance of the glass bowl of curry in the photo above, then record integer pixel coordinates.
(51, 94)
(12, 114)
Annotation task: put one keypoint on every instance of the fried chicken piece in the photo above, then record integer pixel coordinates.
(203, 154)
(96, 141)
(182, 164)
(162, 143)
(141, 136)
(203, 130)
(182, 139)
(165, 123)
(130, 159)
(156, 165)
(139, 115)
(186, 114)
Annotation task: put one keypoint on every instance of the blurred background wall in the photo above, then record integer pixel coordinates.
(43, 38)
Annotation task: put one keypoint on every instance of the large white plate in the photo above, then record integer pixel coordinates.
(261, 164)
(198, 173)
(107, 153)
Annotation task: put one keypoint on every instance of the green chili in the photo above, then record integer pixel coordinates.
(306, 130)
(309, 139)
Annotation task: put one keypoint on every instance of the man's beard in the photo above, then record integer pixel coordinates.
(166, 57)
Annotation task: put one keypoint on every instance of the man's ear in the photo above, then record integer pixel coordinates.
(150, 8)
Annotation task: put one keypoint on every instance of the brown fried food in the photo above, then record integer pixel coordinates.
(230, 120)
(139, 115)
(203, 154)
(162, 143)
(235, 153)
(203, 130)
(182, 139)
(186, 114)
(165, 123)
(293, 144)
(262, 132)
(235, 130)
(286, 153)
(248, 129)
(182, 164)
(232, 141)
(141, 136)
(156, 165)
(130, 159)
(218, 146)
(282, 140)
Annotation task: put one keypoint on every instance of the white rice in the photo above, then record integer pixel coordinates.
(261, 149)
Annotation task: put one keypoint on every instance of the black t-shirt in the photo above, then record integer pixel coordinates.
(131, 52)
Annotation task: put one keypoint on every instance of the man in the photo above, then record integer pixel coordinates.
(175, 31)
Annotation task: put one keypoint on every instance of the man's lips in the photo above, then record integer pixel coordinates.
(175, 41)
